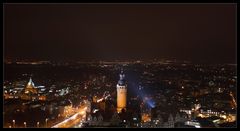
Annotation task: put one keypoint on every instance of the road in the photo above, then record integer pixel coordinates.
(76, 119)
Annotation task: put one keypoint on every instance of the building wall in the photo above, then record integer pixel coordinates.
(121, 98)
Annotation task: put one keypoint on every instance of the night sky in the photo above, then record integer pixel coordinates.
(195, 32)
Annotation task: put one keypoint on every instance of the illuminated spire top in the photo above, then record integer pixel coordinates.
(30, 80)
(122, 80)
(30, 83)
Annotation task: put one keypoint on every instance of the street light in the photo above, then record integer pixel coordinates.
(13, 123)
(46, 121)
(38, 124)
(25, 124)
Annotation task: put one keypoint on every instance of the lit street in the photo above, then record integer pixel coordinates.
(75, 119)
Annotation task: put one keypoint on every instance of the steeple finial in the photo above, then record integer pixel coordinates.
(122, 78)
(30, 82)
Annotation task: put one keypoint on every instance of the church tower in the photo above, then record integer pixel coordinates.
(121, 93)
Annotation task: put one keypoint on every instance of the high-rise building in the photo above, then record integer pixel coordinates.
(121, 93)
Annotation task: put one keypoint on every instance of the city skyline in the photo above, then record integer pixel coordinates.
(119, 65)
(194, 32)
(154, 94)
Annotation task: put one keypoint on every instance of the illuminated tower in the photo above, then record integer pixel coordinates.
(121, 93)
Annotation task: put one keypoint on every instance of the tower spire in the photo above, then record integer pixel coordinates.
(121, 78)
(31, 82)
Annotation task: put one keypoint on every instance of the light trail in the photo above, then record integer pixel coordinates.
(73, 120)
(233, 99)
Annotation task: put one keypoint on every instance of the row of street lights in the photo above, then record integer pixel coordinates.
(25, 123)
